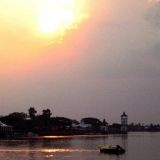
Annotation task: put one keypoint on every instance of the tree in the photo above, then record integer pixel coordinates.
(16, 119)
(32, 112)
(46, 113)
(17, 116)
(46, 117)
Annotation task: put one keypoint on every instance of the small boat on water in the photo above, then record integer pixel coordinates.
(111, 149)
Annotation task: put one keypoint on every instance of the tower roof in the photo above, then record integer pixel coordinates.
(124, 115)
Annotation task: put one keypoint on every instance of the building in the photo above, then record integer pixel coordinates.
(124, 123)
(104, 127)
(94, 125)
(75, 124)
(90, 123)
(5, 130)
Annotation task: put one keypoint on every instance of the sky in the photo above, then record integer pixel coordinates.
(104, 63)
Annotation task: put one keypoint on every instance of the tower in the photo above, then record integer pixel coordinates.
(124, 123)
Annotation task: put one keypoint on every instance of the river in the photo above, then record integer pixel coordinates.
(138, 146)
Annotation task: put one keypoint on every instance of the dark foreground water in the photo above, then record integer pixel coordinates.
(139, 146)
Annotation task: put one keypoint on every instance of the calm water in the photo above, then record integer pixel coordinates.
(139, 146)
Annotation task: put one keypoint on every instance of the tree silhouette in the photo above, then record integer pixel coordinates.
(46, 117)
(17, 116)
(32, 112)
(16, 119)
(46, 113)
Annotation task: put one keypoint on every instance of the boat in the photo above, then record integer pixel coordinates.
(111, 149)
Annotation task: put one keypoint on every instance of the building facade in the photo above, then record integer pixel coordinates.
(5, 130)
(124, 123)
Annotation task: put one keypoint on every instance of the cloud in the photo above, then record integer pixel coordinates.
(153, 15)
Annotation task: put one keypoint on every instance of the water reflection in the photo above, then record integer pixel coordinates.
(139, 146)
(48, 150)
(73, 136)
(35, 154)
(54, 147)
(125, 141)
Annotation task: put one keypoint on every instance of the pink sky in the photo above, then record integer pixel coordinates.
(109, 64)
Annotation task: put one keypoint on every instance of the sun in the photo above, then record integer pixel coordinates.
(57, 16)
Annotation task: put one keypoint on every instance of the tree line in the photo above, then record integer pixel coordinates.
(46, 124)
(37, 123)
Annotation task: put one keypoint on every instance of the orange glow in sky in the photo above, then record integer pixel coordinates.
(57, 16)
(28, 27)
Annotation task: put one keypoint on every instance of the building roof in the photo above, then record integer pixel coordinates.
(3, 125)
(91, 120)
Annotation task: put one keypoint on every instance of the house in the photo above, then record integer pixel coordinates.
(75, 124)
(104, 127)
(5, 130)
(90, 123)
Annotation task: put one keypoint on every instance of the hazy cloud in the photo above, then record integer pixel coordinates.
(154, 14)
(110, 65)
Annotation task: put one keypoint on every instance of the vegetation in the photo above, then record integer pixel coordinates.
(46, 124)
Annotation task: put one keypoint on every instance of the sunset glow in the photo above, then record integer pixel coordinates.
(74, 61)
(58, 16)
(30, 27)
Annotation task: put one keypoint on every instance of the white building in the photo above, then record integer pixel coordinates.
(124, 123)
(5, 129)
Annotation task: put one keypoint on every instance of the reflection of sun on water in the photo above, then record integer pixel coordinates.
(54, 150)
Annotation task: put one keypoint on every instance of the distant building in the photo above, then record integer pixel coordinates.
(75, 124)
(124, 123)
(5, 130)
(92, 123)
(104, 127)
